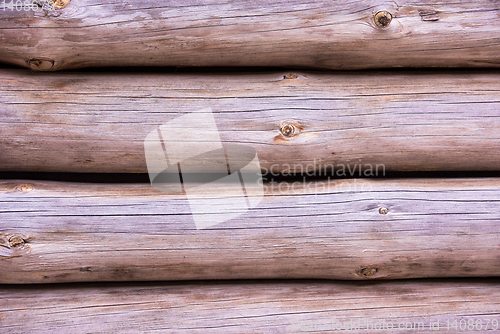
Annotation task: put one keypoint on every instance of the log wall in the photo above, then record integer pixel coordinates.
(350, 229)
(97, 122)
(338, 229)
(296, 33)
(254, 307)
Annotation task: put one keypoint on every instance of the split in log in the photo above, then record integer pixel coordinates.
(344, 229)
(97, 122)
(423, 306)
(297, 33)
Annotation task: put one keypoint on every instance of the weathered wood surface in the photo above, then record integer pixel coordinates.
(254, 307)
(298, 33)
(97, 122)
(65, 232)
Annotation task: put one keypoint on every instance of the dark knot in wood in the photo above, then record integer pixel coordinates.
(16, 241)
(24, 188)
(58, 4)
(383, 19)
(288, 130)
(367, 271)
(37, 64)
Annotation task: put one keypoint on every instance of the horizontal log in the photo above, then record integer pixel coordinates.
(349, 229)
(465, 306)
(97, 122)
(300, 33)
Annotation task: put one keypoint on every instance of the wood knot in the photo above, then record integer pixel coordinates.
(367, 271)
(14, 245)
(383, 19)
(383, 211)
(290, 76)
(24, 188)
(38, 64)
(288, 129)
(58, 4)
(16, 241)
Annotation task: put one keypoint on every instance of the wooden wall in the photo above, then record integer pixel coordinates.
(297, 33)
(254, 307)
(338, 229)
(360, 246)
(407, 121)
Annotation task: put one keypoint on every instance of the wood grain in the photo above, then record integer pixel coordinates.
(67, 232)
(296, 33)
(254, 307)
(97, 122)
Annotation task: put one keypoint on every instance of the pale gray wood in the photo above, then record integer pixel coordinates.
(254, 307)
(296, 33)
(97, 122)
(125, 232)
